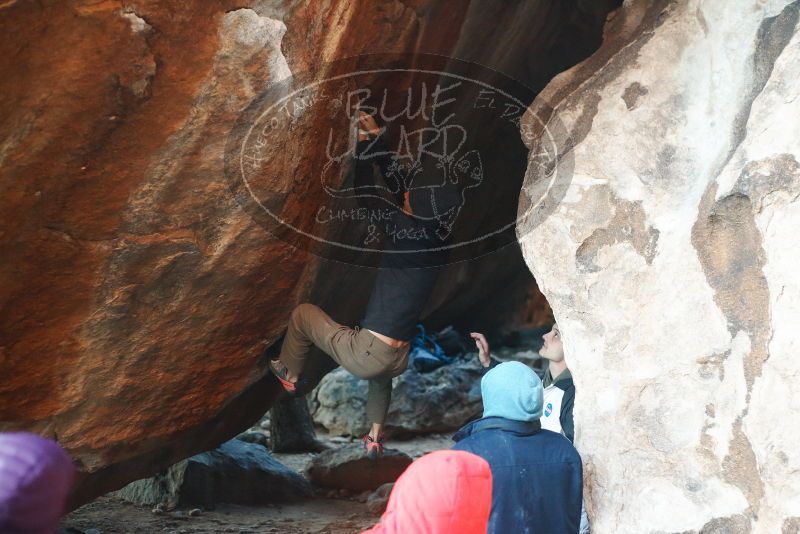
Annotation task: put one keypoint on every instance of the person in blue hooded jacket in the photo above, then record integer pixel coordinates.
(537, 473)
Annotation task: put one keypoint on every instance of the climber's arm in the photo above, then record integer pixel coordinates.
(484, 355)
(371, 187)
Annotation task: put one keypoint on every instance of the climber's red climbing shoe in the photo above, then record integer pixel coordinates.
(373, 447)
(280, 374)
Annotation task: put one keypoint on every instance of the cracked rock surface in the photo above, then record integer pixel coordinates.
(671, 265)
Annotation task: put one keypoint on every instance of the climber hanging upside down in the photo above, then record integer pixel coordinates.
(377, 350)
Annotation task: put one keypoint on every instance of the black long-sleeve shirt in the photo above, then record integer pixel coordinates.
(412, 253)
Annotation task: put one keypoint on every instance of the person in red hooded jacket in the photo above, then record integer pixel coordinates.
(444, 492)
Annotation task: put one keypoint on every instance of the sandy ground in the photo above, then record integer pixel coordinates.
(325, 513)
(109, 515)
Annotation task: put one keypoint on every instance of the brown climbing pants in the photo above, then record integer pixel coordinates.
(355, 349)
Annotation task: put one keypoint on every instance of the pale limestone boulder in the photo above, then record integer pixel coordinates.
(669, 255)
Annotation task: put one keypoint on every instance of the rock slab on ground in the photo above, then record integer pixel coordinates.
(422, 403)
(257, 438)
(348, 468)
(378, 499)
(237, 473)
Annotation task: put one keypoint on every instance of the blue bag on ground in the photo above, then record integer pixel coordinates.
(425, 354)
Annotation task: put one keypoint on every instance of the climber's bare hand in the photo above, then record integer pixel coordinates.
(366, 122)
(483, 348)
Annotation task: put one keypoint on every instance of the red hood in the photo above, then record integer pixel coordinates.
(444, 492)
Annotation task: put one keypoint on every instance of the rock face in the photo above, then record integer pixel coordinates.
(236, 472)
(378, 499)
(348, 468)
(422, 403)
(137, 294)
(671, 263)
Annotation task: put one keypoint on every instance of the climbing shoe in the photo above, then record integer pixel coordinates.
(280, 374)
(373, 448)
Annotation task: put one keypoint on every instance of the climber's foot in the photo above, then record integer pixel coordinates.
(281, 372)
(373, 447)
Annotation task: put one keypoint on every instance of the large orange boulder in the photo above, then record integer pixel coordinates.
(138, 293)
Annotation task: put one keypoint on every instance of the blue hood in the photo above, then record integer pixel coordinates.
(512, 390)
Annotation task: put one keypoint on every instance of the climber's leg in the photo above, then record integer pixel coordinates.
(378, 398)
(355, 349)
(308, 326)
